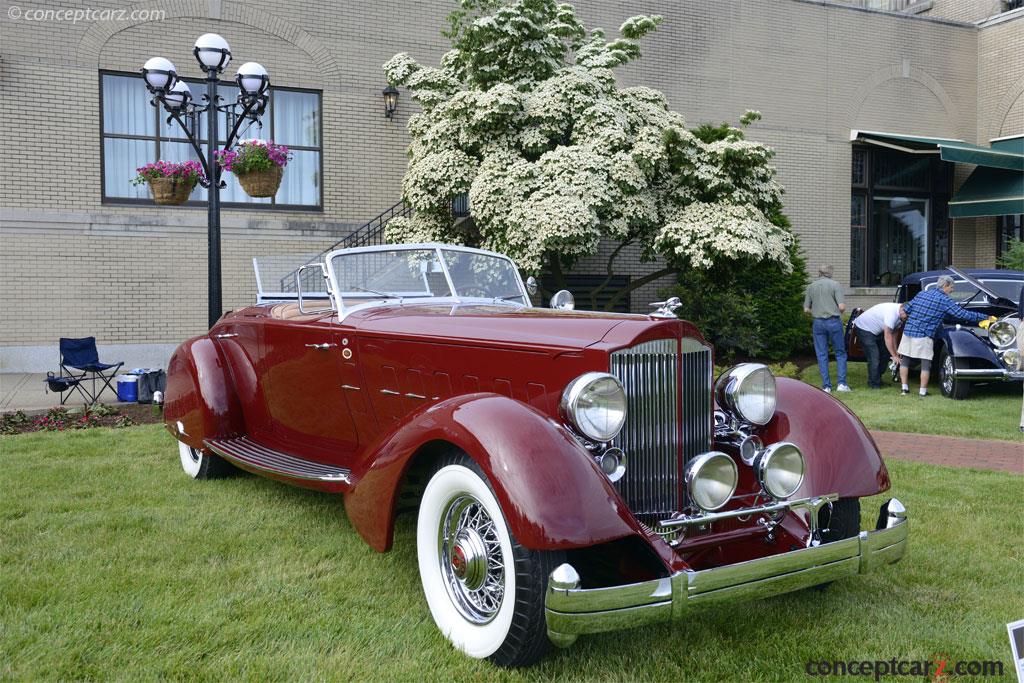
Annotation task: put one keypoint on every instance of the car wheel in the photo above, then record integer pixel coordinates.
(841, 520)
(952, 387)
(200, 464)
(484, 590)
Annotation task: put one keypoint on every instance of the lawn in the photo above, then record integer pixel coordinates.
(991, 412)
(114, 565)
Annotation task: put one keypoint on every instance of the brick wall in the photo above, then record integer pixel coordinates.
(135, 274)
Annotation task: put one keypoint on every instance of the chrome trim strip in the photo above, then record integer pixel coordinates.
(247, 453)
(571, 610)
(814, 503)
(986, 373)
(389, 392)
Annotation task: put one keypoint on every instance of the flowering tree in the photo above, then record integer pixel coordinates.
(524, 114)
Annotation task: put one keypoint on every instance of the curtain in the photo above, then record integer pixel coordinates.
(296, 121)
(126, 107)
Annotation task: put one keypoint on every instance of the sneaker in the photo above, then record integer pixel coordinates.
(922, 393)
(827, 390)
(844, 388)
(904, 392)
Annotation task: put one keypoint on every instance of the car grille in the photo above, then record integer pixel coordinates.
(668, 420)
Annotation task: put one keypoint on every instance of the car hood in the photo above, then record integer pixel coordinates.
(492, 324)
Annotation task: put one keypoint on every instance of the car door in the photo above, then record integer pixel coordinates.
(303, 376)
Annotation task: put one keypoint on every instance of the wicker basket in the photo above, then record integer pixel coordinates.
(170, 190)
(261, 183)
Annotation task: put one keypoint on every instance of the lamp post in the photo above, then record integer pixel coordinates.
(213, 54)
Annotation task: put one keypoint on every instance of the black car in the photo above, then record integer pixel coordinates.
(965, 355)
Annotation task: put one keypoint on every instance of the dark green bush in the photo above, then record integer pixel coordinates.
(748, 308)
(1013, 256)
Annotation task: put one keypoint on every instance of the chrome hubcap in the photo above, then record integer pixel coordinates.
(471, 559)
(947, 374)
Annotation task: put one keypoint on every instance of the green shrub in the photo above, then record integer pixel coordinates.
(1013, 256)
(748, 308)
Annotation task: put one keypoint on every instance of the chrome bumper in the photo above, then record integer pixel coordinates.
(987, 373)
(571, 610)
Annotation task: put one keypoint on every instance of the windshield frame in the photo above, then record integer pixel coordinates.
(346, 310)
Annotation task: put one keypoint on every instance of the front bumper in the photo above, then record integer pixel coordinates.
(571, 610)
(987, 374)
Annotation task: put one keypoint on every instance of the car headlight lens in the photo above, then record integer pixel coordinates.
(748, 392)
(711, 480)
(1011, 359)
(1002, 333)
(780, 469)
(595, 403)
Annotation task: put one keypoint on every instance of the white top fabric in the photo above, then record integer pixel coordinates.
(878, 317)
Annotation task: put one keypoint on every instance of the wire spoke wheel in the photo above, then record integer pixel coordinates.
(471, 559)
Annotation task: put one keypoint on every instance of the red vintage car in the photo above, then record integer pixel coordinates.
(573, 472)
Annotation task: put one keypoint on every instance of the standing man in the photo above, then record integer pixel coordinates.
(824, 301)
(874, 328)
(925, 313)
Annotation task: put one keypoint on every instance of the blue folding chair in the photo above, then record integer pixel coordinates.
(80, 355)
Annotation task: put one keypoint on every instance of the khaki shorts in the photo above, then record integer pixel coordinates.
(922, 348)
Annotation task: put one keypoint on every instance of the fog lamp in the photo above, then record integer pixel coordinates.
(780, 469)
(711, 480)
(1010, 359)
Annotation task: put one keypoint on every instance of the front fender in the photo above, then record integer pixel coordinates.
(552, 493)
(841, 455)
(200, 401)
(963, 343)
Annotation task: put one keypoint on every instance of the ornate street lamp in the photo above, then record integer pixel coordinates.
(390, 101)
(213, 54)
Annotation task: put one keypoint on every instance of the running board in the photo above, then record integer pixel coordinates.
(247, 453)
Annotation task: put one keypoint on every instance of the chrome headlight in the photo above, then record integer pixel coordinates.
(1011, 359)
(711, 480)
(1002, 333)
(595, 404)
(780, 469)
(748, 392)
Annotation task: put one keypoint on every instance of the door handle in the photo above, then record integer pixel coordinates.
(321, 347)
(226, 335)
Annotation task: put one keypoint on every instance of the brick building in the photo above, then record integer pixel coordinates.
(82, 252)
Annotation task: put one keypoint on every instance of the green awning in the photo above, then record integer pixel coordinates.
(989, 192)
(994, 188)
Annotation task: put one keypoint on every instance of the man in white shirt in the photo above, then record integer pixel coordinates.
(874, 328)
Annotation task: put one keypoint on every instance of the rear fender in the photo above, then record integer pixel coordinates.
(841, 455)
(200, 401)
(550, 489)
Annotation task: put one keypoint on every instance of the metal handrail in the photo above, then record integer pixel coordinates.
(370, 233)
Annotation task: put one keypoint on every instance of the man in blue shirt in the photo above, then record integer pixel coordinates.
(925, 313)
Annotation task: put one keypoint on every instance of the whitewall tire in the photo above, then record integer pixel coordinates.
(200, 464)
(485, 591)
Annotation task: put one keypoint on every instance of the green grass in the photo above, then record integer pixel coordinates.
(991, 412)
(114, 565)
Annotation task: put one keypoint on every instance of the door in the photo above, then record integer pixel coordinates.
(303, 378)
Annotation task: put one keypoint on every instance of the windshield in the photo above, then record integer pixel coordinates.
(962, 290)
(419, 273)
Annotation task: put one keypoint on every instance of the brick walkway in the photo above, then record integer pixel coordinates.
(1005, 456)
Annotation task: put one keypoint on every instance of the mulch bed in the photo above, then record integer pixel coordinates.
(74, 417)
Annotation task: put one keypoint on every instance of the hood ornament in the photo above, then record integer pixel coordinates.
(667, 308)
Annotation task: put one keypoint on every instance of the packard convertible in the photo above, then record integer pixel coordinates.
(573, 472)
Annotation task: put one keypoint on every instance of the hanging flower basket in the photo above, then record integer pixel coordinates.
(258, 165)
(261, 183)
(170, 183)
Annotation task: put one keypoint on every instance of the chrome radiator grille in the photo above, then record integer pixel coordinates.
(668, 389)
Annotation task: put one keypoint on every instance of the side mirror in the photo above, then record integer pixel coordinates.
(532, 285)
